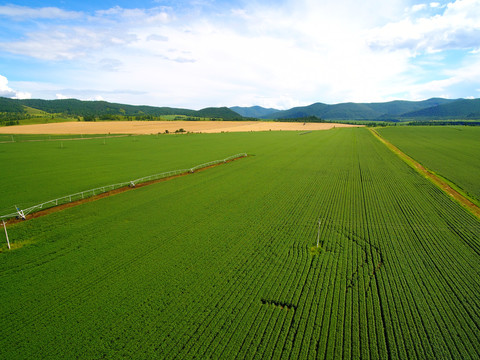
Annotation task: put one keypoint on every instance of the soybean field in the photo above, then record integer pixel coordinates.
(224, 263)
(450, 151)
(38, 171)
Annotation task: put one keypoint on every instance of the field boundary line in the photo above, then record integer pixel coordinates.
(66, 139)
(430, 175)
(78, 198)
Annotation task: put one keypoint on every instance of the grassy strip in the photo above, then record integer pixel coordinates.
(461, 197)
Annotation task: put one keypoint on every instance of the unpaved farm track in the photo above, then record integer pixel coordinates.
(474, 209)
(155, 127)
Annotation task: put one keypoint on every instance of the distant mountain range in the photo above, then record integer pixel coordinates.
(398, 110)
(253, 111)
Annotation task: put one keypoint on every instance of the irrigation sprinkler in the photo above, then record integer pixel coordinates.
(6, 234)
(318, 234)
(21, 214)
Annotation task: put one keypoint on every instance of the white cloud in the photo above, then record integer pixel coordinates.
(296, 53)
(67, 43)
(108, 64)
(22, 95)
(23, 12)
(269, 54)
(6, 91)
(153, 15)
(59, 96)
(465, 76)
(457, 28)
(156, 37)
(418, 7)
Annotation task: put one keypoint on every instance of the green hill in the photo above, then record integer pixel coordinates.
(74, 107)
(219, 113)
(399, 107)
(10, 106)
(460, 109)
(301, 111)
(364, 111)
(79, 107)
(253, 111)
(351, 111)
(398, 110)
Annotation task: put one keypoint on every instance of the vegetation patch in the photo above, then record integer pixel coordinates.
(315, 250)
(279, 304)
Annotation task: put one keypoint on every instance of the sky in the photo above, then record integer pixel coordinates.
(200, 53)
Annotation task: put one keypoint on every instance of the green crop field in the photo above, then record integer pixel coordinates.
(222, 263)
(34, 172)
(452, 152)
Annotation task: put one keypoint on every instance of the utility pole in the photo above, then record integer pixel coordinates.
(6, 234)
(318, 234)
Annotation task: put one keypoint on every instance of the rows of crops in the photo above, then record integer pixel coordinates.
(450, 151)
(220, 264)
(35, 172)
(24, 212)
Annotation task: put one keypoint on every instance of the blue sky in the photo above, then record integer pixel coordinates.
(203, 53)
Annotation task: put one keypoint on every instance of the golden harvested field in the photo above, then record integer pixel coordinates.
(154, 127)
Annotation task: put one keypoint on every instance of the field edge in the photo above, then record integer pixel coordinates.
(446, 186)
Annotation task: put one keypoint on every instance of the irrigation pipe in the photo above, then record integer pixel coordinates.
(103, 189)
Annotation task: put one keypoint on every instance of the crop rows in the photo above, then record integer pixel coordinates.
(450, 151)
(106, 188)
(220, 264)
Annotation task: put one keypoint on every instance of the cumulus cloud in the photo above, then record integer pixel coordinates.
(152, 15)
(261, 52)
(24, 12)
(66, 43)
(457, 28)
(277, 55)
(6, 91)
(419, 7)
